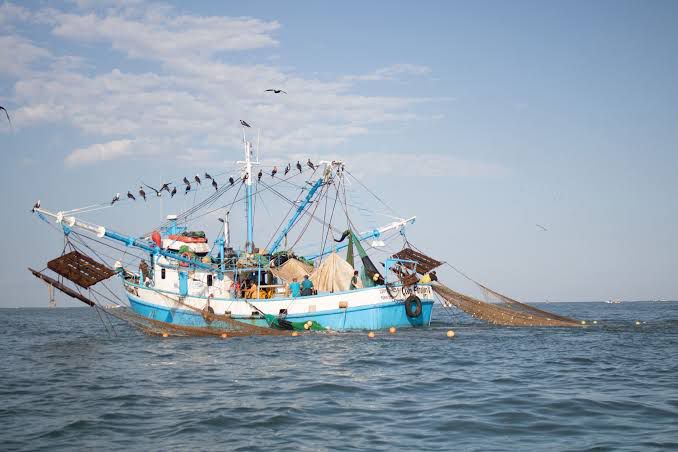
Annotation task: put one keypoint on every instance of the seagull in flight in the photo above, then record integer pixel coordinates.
(131, 196)
(276, 91)
(542, 227)
(244, 124)
(157, 192)
(165, 187)
(7, 114)
(116, 198)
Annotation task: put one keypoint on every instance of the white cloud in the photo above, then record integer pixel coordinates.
(18, 55)
(391, 73)
(190, 103)
(100, 152)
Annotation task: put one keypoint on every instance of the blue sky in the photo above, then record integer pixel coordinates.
(481, 118)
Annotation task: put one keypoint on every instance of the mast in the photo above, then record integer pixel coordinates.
(249, 199)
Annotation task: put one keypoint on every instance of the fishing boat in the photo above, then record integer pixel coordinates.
(184, 280)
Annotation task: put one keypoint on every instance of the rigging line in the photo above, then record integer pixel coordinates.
(221, 207)
(371, 192)
(120, 250)
(334, 206)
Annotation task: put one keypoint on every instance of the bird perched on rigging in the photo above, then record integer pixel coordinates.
(310, 164)
(197, 179)
(287, 169)
(299, 166)
(275, 170)
(231, 181)
(188, 188)
(261, 173)
(142, 193)
(7, 114)
(244, 124)
(174, 192)
(214, 184)
(36, 206)
(276, 91)
(116, 198)
(207, 176)
(131, 196)
(186, 181)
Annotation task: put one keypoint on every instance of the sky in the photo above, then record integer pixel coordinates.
(484, 119)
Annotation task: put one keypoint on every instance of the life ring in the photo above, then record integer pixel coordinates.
(186, 256)
(413, 299)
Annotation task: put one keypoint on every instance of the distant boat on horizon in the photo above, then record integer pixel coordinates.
(614, 301)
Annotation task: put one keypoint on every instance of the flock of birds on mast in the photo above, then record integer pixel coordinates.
(197, 180)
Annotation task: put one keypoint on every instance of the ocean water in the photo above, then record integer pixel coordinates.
(67, 384)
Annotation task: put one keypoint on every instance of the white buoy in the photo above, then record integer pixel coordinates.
(637, 322)
(450, 333)
(370, 334)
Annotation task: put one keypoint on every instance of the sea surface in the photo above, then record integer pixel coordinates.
(65, 383)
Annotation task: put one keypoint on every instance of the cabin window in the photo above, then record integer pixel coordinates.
(162, 273)
(209, 280)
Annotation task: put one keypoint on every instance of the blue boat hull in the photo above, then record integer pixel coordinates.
(370, 317)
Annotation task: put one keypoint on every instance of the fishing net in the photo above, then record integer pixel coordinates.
(509, 312)
(497, 309)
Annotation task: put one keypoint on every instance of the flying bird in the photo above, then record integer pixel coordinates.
(157, 192)
(276, 91)
(231, 181)
(7, 114)
(287, 169)
(244, 124)
(299, 166)
(197, 179)
(207, 176)
(542, 227)
(214, 184)
(275, 170)
(174, 192)
(310, 164)
(165, 187)
(131, 196)
(142, 193)
(261, 173)
(36, 206)
(116, 198)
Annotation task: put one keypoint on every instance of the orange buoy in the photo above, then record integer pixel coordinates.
(295, 334)
(224, 335)
(165, 335)
(392, 330)
(370, 334)
(450, 333)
